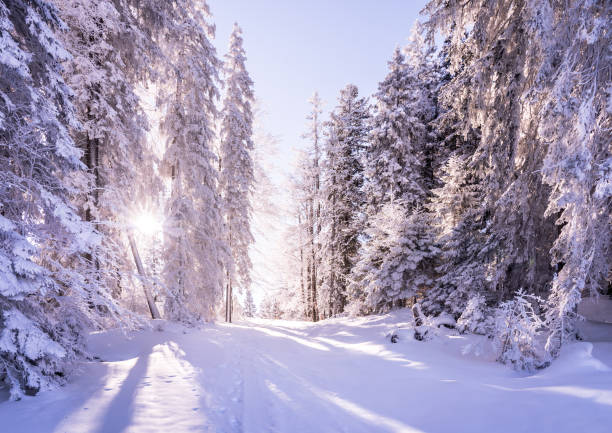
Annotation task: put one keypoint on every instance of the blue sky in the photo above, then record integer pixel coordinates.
(295, 47)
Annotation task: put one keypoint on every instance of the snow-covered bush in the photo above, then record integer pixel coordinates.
(476, 318)
(516, 331)
(426, 327)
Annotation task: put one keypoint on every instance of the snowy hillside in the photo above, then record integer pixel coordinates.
(339, 375)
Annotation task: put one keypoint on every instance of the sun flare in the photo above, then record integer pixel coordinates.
(148, 223)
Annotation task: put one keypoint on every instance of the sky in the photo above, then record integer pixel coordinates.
(297, 47)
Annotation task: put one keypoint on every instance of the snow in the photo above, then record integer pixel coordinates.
(339, 375)
(596, 309)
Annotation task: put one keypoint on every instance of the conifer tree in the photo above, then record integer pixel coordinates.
(301, 189)
(458, 222)
(342, 195)
(578, 161)
(236, 174)
(194, 252)
(396, 261)
(250, 310)
(531, 103)
(312, 205)
(43, 240)
(457, 218)
(393, 168)
(397, 249)
(506, 228)
(107, 62)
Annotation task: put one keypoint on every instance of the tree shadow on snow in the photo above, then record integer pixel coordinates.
(118, 414)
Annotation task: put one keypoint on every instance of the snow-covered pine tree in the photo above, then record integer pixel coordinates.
(459, 225)
(492, 75)
(342, 196)
(298, 233)
(427, 73)
(43, 241)
(194, 250)
(465, 226)
(533, 88)
(295, 232)
(236, 173)
(306, 245)
(450, 135)
(392, 165)
(308, 184)
(250, 309)
(476, 317)
(107, 62)
(576, 88)
(457, 217)
(398, 250)
(395, 263)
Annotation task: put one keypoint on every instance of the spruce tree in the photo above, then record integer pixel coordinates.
(342, 195)
(528, 93)
(107, 63)
(236, 174)
(300, 231)
(459, 225)
(578, 161)
(43, 241)
(194, 252)
(396, 260)
(250, 310)
(393, 168)
(506, 226)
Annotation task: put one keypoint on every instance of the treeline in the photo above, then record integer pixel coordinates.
(478, 181)
(78, 82)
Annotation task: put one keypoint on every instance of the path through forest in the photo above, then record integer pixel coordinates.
(341, 375)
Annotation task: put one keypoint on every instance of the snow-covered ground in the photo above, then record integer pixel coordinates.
(340, 375)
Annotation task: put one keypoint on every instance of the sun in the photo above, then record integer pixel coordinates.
(148, 223)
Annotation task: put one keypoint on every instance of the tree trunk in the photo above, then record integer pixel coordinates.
(313, 265)
(91, 160)
(302, 282)
(228, 298)
(145, 284)
(227, 303)
(231, 301)
(332, 277)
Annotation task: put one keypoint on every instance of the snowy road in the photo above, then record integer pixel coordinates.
(337, 376)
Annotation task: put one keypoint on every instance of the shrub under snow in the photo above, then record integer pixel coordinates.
(516, 332)
(476, 317)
